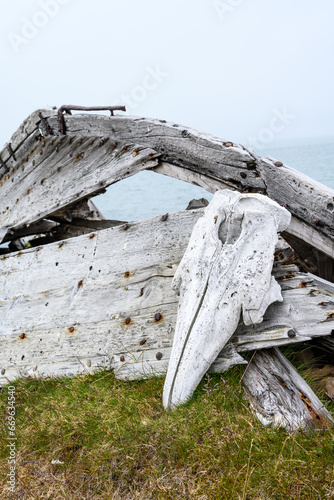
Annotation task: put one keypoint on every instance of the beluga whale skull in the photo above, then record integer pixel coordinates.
(225, 273)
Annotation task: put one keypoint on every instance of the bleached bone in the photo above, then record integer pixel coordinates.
(226, 269)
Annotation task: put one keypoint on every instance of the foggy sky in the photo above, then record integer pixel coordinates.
(245, 70)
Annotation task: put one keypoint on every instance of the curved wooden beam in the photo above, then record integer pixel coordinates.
(225, 161)
(178, 151)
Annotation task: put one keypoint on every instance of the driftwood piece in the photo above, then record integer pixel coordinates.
(308, 201)
(225, 271)
(81, 218)
(42, 226)
(56, 172)
(93, 283)
(280, 396)
(82, 210)
(36, 121)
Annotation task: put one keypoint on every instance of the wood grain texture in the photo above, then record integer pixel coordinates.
(280, 396)
(184, 153)
(58, 172)
(234, 165)
(93, 283)
(30, 125)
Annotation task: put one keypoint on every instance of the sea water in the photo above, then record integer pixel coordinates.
(147, 194)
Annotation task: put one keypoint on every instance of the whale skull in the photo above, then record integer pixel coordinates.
(225, 272)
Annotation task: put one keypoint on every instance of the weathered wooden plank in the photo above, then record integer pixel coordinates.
(182, 174)
(178, 145)
(280, 396)
(327, 343)
(82, 210)
(31, 124)
(93, 283)
(64, 170)
(42, 226)
(307, 200)
(208, 161)
(306, 246)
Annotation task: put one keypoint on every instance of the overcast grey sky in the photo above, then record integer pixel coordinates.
(245, 70)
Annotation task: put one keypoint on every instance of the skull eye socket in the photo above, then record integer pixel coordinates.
(230, 232)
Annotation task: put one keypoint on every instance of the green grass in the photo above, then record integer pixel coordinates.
(116, 442)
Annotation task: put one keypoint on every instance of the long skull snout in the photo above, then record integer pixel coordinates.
(225, 272)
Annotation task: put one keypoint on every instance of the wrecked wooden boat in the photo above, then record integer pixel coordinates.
(80, 292)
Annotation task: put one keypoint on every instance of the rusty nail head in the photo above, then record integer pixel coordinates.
(3, 371)
(127, 321)
(228, 144)
(23, 336)
(122, 358)
(164, 217)
(157, 317)
(71, 329)
(158, 355)
(125, 227)
(143, 341)
(291, 333)
(278, 164)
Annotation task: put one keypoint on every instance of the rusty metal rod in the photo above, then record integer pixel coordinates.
(69, 107)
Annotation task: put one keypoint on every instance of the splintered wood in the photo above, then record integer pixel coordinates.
(280, 396)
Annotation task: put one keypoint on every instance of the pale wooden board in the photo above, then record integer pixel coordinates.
(31, 124)
(219, 160)
(41, 295)
(280, 396)
(178, 145)
(208, 160)
(57, 172)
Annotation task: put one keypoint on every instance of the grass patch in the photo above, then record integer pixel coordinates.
(115, 441)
